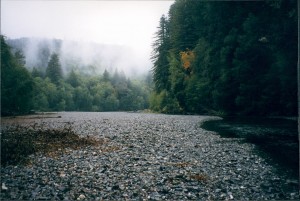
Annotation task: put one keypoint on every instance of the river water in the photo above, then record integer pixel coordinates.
(275, 139)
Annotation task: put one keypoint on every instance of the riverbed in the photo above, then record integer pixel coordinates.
(276, 139)
(145, 157)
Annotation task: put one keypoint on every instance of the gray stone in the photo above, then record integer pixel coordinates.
(147, 156)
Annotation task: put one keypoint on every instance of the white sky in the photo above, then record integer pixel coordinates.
(130, 23)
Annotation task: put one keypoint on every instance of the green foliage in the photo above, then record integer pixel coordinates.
(82, 93)
(54, 70)
(163, 102)
(105, 97)
(73, 79)
(244, 58)
(106, 76)
(36, 73)
(20, 58)
(160, 56)
(22, 92)
(16, 82)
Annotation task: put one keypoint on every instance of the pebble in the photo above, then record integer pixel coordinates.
(3, 187)
(147, 157)
(81, 197)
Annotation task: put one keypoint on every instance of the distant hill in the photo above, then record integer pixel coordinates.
(85, 57)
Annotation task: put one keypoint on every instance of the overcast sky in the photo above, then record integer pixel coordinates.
(129, 23)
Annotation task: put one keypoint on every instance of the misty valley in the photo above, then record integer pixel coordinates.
(83, 56)
(202, 64)
(54, 76)
(211, 118)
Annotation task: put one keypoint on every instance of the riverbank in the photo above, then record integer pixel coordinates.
(146, 156)
(276, 139)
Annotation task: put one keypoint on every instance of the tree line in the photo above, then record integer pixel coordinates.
(226, 58)
(22, 90)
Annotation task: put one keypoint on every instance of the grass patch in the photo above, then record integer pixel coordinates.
(18, 142)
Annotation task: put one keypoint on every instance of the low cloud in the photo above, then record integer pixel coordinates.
(87, 57)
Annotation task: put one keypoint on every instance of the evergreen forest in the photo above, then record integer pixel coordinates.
(209, 57)
(24, 90)
(226, 58)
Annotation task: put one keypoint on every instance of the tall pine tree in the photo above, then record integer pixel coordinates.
(160, 56)
(54, 70)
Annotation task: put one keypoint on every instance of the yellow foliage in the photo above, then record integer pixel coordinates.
(187, 57)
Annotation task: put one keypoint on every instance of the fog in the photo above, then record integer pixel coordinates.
(104, 34)
(85, 57)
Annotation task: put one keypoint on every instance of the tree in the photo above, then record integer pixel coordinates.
(20, 58)
(54, 70)
(16, 83)
(43, 54)
(106, 76)
(160, 56)
(82, 99)
(36, 73)
(73, 79)
(234, 58)
(40, 95)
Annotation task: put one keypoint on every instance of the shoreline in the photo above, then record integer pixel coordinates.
(147, 156)
(273, 137)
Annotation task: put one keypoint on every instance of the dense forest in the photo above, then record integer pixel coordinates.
(226, 58)
(51, 90)
(85, 57)
(219, 57)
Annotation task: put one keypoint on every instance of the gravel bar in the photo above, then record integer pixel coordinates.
(145, 157)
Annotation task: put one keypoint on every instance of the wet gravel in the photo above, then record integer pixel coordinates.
(145, 157)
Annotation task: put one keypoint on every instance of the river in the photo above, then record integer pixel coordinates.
(275, 139)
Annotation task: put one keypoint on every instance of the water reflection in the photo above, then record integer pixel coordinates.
(276, 139)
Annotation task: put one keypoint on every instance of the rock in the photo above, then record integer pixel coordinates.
(62, 174)
(122, 187)
(218, 190)
(147, 156)
(3, 187)
(81, 197)
(292, 182)
(154, 196)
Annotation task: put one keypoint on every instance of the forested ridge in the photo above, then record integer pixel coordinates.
(23, 90)
(209, 57)
(86, 57)
(226, 58)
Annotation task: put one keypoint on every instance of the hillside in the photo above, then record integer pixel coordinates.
(85, 57)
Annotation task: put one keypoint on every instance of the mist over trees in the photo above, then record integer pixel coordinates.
(229, 58)
(86, 57)
(216, 57)
(54, 90)
(54, 70)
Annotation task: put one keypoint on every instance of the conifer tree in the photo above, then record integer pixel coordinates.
(54, 70)
(160, 56)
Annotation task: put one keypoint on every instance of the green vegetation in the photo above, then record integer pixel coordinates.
(210, 57)
(22, 91)
(16, 82)
(228, 58)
